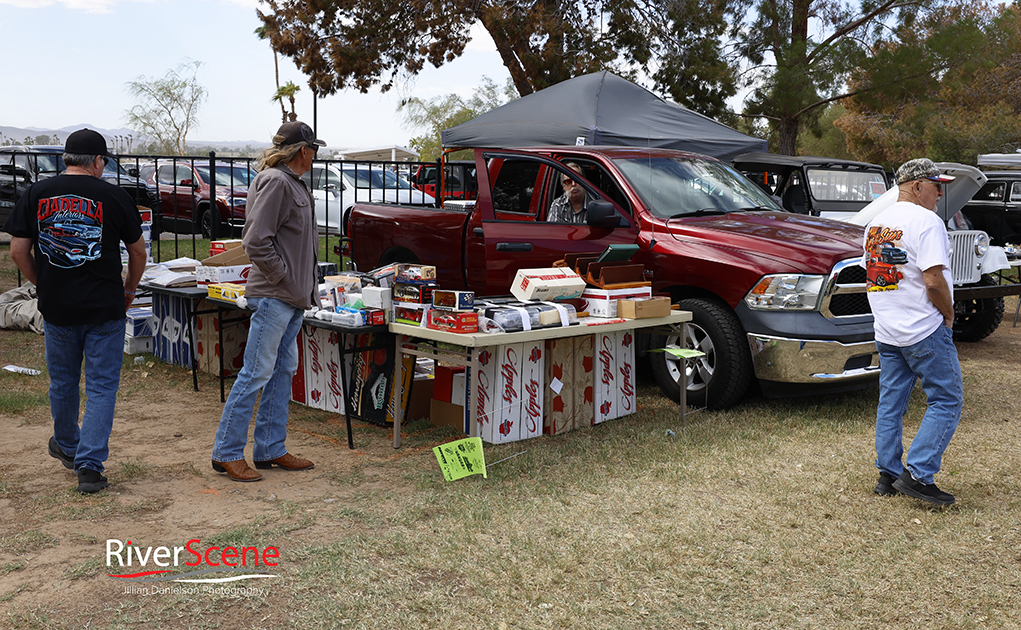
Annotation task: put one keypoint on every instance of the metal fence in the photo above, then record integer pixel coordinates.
(196, 197)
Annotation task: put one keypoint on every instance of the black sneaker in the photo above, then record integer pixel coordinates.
(926, 492)
(56, 451)
(884, 487)
(91, 481)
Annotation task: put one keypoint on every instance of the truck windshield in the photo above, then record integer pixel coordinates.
(843, 185)
(679, 186)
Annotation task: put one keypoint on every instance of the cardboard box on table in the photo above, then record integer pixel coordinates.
(485, 384)
(584, 380)
(231, 265)
(606, 378)
(558, 393)
(626, 400)
(603, 302)
(317, 382)
(207, 343)
(172, 334)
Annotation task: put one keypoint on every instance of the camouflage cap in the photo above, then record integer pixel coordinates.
(921, 168)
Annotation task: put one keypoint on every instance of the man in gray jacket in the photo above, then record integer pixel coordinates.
(281, 239)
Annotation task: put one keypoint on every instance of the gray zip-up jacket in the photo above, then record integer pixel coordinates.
(281, 238)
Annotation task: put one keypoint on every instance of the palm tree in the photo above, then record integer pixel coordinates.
(263, 33)
(287, 90)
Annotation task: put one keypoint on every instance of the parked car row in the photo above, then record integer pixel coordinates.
(22, 166)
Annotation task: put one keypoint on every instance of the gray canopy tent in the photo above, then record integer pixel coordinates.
(600, 108)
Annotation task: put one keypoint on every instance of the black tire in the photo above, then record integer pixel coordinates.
(974, 320)
(209, 223)
(717, 380)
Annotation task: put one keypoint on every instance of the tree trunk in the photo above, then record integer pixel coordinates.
(505, 47)
(276, 70)
(787, 132)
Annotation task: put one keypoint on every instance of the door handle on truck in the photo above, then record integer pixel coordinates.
(513, 247)
(479, 232)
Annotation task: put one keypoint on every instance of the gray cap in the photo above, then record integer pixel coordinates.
(298, 132)
(921, 168)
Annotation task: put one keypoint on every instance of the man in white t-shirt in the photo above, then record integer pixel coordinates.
(907, 261)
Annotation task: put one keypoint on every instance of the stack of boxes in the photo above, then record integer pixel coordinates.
(138, 330)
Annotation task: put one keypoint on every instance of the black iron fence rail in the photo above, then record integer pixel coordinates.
(193, 197)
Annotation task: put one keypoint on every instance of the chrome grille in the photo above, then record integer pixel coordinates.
(963, 260)
(845, 291)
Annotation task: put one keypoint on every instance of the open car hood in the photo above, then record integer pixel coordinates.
(967, 181)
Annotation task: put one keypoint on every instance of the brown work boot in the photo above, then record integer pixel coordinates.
(287, 462)
(238, 471)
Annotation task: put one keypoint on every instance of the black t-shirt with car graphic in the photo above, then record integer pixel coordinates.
(77, 223)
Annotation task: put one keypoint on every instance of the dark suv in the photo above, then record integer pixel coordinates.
(996, 207)
(819, 186)
(21, 166)
(184, 186)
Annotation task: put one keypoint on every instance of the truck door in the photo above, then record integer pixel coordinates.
(520, 188)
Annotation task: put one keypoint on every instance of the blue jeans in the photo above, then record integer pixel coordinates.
(933, 361)
(102, 348)
(271, 358)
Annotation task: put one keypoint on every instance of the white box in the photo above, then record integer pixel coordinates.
(137, 345)
(627, 404)
(315, 368)
(554, 283)
(533, 379)
(607, 389)
(377, 297)
(139, 322)
(334, 387)
(485, 384)
(603, 302)
(458, 390)
(507, 424)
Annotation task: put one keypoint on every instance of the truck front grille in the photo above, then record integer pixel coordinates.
(845, 291)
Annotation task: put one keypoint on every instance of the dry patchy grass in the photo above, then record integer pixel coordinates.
(757, 517)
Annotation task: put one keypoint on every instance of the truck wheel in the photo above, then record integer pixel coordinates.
(210, 224)
(717, 380)
(974, 320)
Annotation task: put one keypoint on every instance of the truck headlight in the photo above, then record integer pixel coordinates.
(231, 201)
(981, 244)
(786, 292)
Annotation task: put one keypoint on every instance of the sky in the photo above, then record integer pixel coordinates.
(68, 62)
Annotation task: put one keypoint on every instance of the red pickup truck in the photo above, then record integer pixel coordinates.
(775, 296)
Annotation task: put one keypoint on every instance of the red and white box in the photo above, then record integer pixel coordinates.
(533, 379)
(313, 366)
(603, 302)
(554, 283)
(218, 247)
(507, 424)
(333, 390)
(558, 398)
(606, 380)
(626, 403)
(453, 321)
(584, 380)
(485, 383)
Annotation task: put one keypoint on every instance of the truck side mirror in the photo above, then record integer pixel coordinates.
(602, 214)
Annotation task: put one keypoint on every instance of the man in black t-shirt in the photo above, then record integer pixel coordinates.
(66, 234)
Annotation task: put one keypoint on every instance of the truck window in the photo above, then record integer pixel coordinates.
(845, 185)
(1015, 192)
(993, 191)
(514, 186)
(596, 175)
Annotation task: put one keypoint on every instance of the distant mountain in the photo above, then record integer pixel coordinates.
(18, 135)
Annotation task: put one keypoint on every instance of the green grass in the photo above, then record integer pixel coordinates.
(13, 403)
(198, 248)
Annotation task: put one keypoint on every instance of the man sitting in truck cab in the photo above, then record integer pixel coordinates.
(570, 207)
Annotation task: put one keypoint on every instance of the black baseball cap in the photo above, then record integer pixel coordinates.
(298, 132)
(86, 142)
